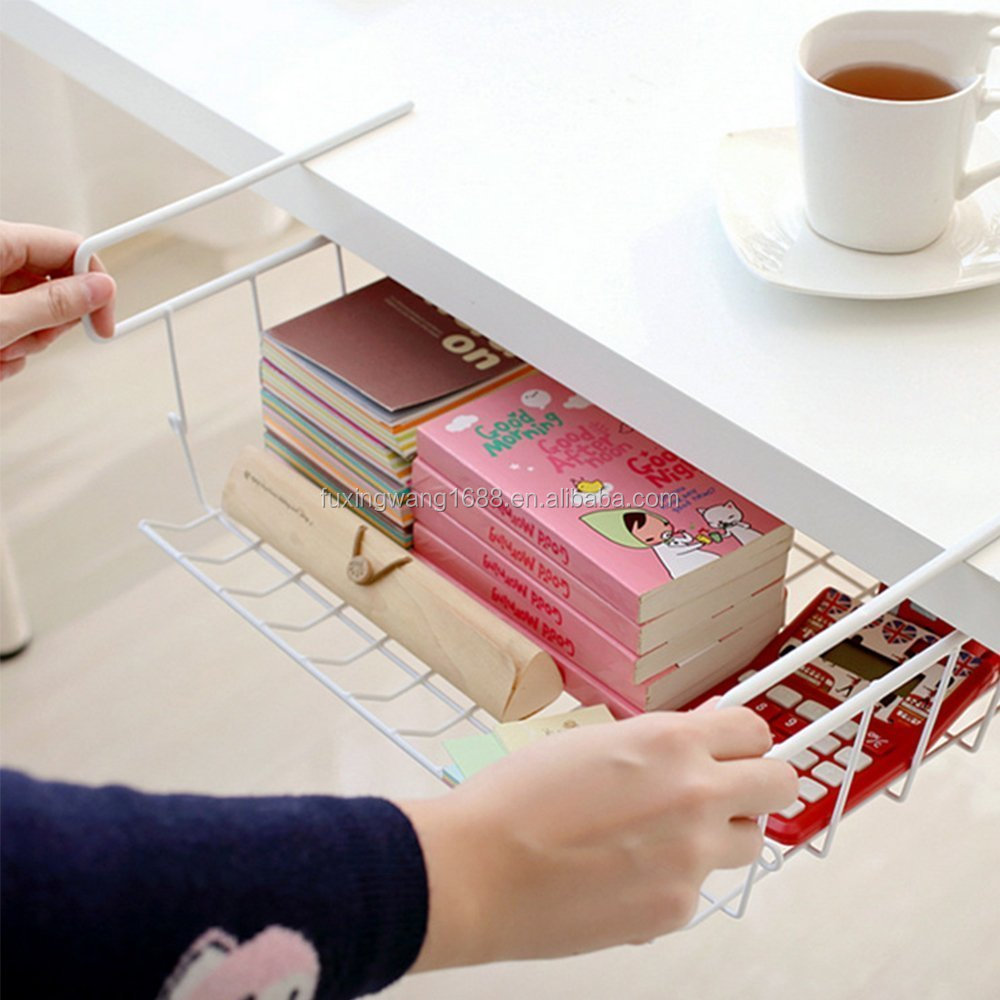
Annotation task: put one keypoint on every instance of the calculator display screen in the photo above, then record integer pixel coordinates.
(859, 661)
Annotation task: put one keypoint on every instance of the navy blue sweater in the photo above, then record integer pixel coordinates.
(104, 890)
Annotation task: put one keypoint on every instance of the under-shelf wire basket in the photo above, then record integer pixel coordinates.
(409, 703)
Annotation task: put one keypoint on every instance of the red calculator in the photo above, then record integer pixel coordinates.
(838, 673)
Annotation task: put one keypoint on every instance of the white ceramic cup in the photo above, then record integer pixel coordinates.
(884, 175)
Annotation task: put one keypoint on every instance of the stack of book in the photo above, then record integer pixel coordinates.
(346, 385)
(646, 579)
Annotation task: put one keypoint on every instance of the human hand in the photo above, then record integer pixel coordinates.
(40, 297)
(599, 837)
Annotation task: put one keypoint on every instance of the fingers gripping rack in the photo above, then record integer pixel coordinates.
(734, 902)
(157, 217)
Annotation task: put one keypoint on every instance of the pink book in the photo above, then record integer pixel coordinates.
(629, 518)
(571, 641)
(729, 599)
(672, 689)
(497, 578)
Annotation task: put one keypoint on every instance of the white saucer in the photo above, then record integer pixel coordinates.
(760, 204)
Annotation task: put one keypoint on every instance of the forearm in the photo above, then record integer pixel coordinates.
(109, 885)
(599, 837)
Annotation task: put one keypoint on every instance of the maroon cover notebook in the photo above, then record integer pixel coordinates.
(394, 347)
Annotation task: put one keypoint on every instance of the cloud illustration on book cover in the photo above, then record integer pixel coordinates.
(462, 422)
(536, 399)
(679, 551)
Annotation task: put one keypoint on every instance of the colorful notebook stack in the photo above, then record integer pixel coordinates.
(345, 387)
(646, 579)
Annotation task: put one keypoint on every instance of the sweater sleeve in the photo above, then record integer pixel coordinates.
(105, 889)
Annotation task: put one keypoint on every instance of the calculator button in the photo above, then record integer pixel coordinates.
(787, 724)
(804, 760)
(847, 731)
(829, 773)
(745, 676)
(767, 710)
(877, 745)
(811, 710)
(826, 745)
(793, 810)
(811, 791)
(843, 756)
(784, 696)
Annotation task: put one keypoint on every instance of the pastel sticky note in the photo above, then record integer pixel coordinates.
(473, 753)
(514, 735)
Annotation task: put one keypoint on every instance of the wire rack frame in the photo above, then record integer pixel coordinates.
(409, 680)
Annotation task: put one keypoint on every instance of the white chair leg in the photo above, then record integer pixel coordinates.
(15, 631)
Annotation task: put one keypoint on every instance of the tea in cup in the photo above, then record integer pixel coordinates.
(887, 103)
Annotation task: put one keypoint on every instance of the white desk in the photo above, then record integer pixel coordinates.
(554, 189)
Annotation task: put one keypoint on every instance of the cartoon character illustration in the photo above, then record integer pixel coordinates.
(708, 537)
(728, 519)
(461, 423)
(536, 399)
(589, 493)
(636, 528)
(682, 553)
(276, 964)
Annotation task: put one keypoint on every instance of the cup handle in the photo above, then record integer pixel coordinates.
(989, 102)
(971, 180)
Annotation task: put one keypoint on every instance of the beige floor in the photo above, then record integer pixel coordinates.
(137, 674)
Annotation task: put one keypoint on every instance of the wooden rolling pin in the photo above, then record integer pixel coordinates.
(466, 643)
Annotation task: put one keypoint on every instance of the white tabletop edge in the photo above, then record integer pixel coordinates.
(829, 512)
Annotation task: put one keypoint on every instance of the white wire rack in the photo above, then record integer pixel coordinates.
(412, 705)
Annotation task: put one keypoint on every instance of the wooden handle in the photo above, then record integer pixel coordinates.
(469, 645)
